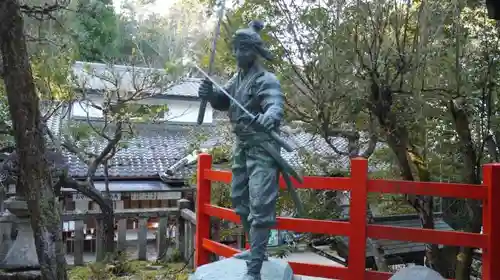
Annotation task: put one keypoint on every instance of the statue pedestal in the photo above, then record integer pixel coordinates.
(235, 269)
(416, 273)
(22, 254)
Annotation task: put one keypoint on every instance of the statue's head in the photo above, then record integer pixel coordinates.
(248, 45)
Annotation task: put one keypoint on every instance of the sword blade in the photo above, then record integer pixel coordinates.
(224, 91)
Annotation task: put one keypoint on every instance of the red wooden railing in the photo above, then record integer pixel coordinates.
(356, 229)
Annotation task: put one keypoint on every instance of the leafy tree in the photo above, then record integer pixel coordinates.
(418, 78)
(52, 49)
(34, 181)
(96, 32)
(120, 109)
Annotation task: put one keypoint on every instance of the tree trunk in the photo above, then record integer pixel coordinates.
(107, 223)
(34, 179)
(106, 229)
(471, 176)
(398, 141)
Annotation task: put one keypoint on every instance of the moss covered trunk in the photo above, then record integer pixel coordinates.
(398, 139)
(34, 180)
(471, 175)
(106, 229)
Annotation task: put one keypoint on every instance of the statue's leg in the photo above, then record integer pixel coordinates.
(240, 193)
(263, 190)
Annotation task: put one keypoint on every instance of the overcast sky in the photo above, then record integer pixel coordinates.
(159, 6)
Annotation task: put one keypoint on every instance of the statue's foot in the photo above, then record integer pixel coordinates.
(252, 277)
(245, 255)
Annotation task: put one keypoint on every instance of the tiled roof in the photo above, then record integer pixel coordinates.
(313, 147)
(97, 76)
(187, 87)
(155, 148)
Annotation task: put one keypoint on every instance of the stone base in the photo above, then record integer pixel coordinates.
(22, 253)
(417, 272)
(25, 275)
(235, 269)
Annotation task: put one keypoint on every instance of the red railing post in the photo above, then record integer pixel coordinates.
(203, 194)
(491, 222)
(357, 216)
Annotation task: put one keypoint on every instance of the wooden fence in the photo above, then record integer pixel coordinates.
(184, 227)
(356, 228)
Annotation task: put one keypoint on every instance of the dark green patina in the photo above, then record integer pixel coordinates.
(257, 162)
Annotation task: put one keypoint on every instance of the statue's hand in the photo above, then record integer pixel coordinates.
(266, 121)
(206, 89)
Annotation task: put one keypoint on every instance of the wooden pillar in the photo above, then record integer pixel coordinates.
(180, 237)
(121, 242)
(186, 240)
(191, 244)
(357, 213)
(162, 238)
(100, 252)
(80, 205)
(142, 239)
(491, 222)
(203, 194)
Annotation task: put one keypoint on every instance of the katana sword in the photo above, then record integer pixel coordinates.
(203, 104)
(253, 118)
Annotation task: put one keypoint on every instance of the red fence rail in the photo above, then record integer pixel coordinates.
(356, 228)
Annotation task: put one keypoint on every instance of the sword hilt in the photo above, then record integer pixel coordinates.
(201, 112)
(275, 136)
(281, 141)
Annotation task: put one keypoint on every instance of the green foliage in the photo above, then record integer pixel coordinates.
(334, 58)
(120, 264)
(50, 74)
(99, 271)
(343, 44)
(137, 270)
(176, 256)
(96, 30)
(144, 112)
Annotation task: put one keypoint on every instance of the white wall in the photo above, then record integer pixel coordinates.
(184, 111)
(83, 109)
(99, 76)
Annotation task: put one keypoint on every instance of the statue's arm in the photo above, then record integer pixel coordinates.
(219, 100)
(272, 99)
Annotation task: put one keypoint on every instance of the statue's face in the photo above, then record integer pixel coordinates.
(245, 55)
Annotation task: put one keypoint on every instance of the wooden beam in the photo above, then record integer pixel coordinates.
(121, 214)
